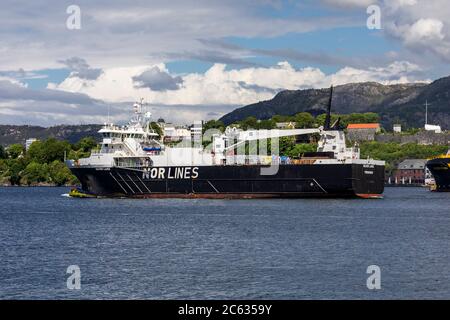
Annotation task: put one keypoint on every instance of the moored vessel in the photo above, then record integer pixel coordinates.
(440, 169)
(133, 162)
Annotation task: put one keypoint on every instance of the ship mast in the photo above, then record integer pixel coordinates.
(328, 117)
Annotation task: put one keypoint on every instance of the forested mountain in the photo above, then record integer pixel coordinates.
(404, 103)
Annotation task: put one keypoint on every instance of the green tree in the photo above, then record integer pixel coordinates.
(48, 151)
(85, 144)
(4, 179)
(320, 119)
(15, 168)
(280, 118)
(213, 124)
(286, 144)
(15, 150)
(3, 154)
(75, 155)
(266, 124)
(393, 152)
(60, 174)
(3, 168)
(304, 120)
(301, 148)
(249, 123)
(368, 117)
(34, 173)
(156, 128)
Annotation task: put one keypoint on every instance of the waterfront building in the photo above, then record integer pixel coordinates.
(410, 171)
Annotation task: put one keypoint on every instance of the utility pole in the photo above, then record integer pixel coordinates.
(426, 111)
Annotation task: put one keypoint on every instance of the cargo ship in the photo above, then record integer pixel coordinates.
(440, 169)
(134, 162)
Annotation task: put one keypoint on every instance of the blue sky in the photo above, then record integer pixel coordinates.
(203, 58)
(347, 42)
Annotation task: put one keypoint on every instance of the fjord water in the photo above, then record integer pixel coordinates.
(224, 249)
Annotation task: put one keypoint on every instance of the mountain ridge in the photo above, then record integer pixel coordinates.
(404, 103)
(10, 134)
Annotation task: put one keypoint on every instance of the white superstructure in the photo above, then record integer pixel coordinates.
(137, 145)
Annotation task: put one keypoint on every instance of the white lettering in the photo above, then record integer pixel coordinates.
(187, 173)
(178, 173)
(206, 311)
(195, 173)
(161, 173)
(169, 176)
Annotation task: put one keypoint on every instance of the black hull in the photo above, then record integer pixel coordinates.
(440, 169)
(290, 181)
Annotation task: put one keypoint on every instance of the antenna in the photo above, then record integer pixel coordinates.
(328, 117)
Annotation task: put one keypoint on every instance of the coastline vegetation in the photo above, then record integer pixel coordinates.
(42, 163)
(394, 153)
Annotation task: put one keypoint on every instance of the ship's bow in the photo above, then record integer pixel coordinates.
(440, 169)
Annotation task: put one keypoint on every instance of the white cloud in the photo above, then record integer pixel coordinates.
(423, 31)
(421, 25)
(199, 96)
(80, 68)
(350, 3)
(219, 86)
(14, 81)
(397, 4)
(120, 33)
(157, 80)
(397, 72)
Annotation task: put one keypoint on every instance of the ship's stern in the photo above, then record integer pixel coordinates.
(368, 179)
(94, 180)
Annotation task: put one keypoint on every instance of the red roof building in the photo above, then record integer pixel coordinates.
(362, 131)
(364, 126)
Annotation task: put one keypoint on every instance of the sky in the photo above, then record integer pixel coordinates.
(82, 62)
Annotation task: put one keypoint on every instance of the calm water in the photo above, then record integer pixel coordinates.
(217, 249)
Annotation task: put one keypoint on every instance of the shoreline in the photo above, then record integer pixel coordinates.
(36, 186)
